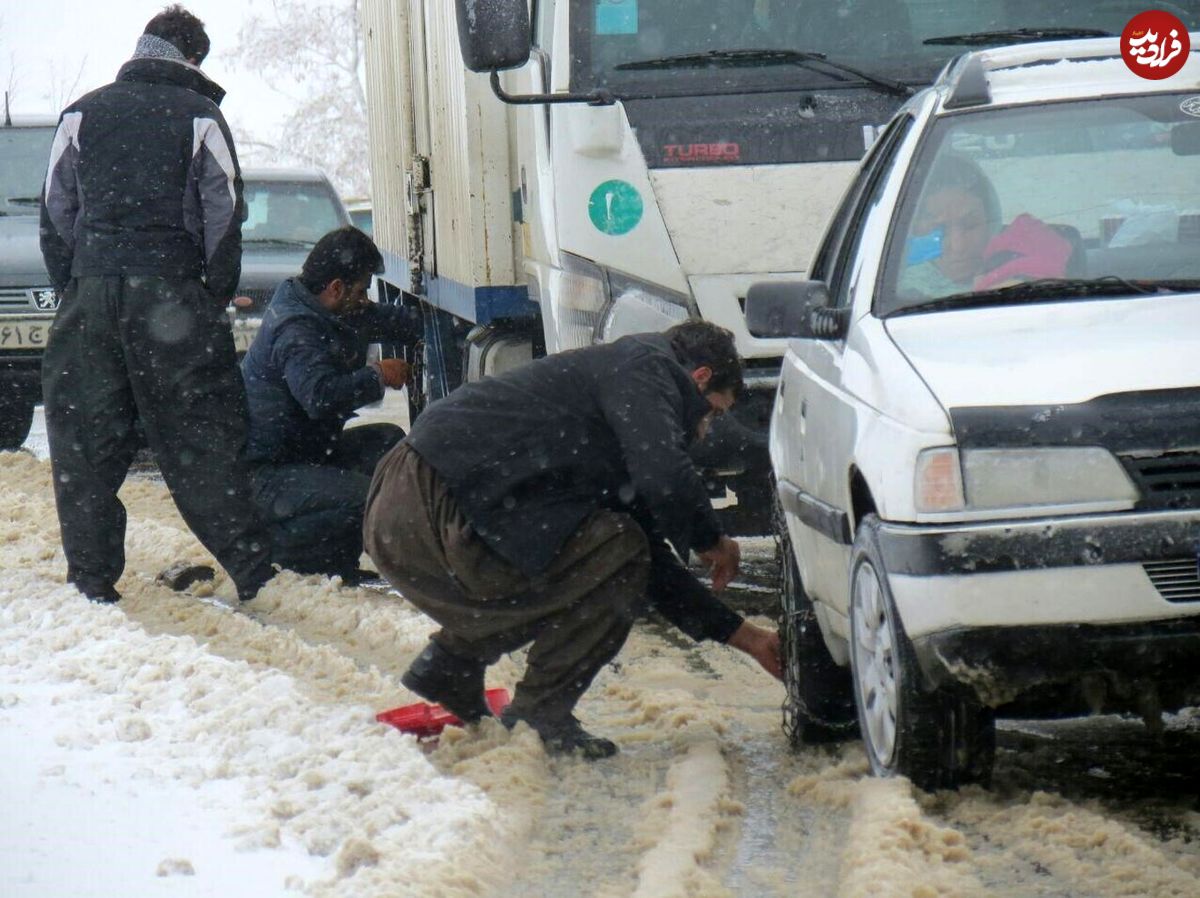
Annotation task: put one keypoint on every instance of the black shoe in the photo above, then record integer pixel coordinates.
(105, 596)
(564, 736)
(182, 575)
(360, 577)
(451, 681)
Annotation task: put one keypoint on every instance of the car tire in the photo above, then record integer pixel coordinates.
(16, 416)
(819, 702)
(938, 739)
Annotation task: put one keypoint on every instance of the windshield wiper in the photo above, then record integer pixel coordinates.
(1032, 34)
(278, 241)
(24, 200)
(804, 58)
(1049, 290)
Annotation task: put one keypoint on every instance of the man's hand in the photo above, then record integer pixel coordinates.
(393, 372)
(760, 644)
(722, 561)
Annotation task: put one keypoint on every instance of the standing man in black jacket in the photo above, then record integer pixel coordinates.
(141, 233)
(537, 506)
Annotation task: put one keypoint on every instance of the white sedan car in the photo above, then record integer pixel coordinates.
(986, 437)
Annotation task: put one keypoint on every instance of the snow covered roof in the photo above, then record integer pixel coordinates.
(283, 174)
(1057, 70)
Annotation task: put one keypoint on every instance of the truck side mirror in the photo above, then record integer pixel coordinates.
(800, 309)
(493, 34)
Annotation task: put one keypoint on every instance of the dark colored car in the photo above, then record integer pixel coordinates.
(287, 212)
(27, 301)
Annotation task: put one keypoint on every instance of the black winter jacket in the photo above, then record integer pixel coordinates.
(531, 453)
(143, 179)
(305, 373)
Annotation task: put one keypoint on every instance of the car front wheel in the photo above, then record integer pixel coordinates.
(819, 704)
(937, 739)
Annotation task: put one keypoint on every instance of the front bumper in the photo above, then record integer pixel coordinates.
(1070, 668)
(1006, 606)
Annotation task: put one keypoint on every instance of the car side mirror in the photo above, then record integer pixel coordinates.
(799, 309)
(493, 34)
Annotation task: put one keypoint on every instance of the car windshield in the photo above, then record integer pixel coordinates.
(1070, 199)
(289, 212)
(638, 46)
(23, 156)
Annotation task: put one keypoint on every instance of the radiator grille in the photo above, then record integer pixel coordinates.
(1176, 579)
(1167, 481)
(15, 302)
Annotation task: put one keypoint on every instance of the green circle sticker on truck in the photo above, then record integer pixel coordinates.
(615, 207)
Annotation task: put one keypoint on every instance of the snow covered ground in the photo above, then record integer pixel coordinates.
(178, 745)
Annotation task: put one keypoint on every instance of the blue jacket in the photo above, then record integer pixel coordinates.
(306, 373)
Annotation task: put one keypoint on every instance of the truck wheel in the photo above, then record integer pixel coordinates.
(16, 417)
(819, 706)
(936, 739)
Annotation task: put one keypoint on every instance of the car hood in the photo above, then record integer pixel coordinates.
(1041, 353)
(264, 267)
(748, 219)
(21, 262)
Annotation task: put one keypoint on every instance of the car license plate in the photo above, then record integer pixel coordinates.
(24, 334)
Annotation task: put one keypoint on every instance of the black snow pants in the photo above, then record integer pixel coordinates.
(130, 348)
(315, 512)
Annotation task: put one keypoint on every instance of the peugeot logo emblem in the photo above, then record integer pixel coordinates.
(45, 300)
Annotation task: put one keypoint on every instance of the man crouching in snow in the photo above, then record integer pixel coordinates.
(306, 373)
(537, 507)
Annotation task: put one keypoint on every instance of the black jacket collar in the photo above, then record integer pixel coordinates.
(168, 71)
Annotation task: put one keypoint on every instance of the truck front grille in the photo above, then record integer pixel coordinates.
(1176, 579)
(1167, 481)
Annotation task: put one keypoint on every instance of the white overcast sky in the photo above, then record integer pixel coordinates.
(43, 43)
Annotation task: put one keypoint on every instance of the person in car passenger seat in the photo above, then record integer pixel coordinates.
(959, 246)
(306, 373)
(141, 233)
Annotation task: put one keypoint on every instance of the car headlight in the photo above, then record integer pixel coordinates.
(596, 305)
(948, 479)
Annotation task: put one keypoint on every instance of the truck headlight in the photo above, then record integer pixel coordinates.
(578, 302)
(596, 305)
(948, 479)
(637, 308)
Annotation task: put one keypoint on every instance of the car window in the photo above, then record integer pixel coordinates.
(1101, 189)
(867, 195)
(23, 155)
(290, 211)
(835, 233)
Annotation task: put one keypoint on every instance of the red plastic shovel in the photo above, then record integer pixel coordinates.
(427, 719)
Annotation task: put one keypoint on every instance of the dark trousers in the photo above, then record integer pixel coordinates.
(124, 349)
(577, 612)
(315, 512)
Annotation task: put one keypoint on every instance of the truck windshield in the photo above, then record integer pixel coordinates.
(24, 153)
(1049, 202)
(289, 213)
(640, 47)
